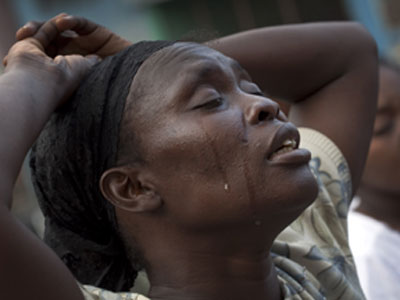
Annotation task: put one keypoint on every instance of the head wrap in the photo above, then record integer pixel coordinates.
(77, 145)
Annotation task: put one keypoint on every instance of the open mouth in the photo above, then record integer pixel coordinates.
(285, 141)
(288, 145)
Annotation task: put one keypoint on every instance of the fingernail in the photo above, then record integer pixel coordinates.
(67, 17)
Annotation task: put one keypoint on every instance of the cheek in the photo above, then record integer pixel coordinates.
(200, 172)
(188, 150)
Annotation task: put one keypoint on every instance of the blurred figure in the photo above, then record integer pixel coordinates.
(374, 224)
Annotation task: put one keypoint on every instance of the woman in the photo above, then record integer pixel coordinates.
(204, 171)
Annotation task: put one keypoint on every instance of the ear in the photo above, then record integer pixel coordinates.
(122, 187)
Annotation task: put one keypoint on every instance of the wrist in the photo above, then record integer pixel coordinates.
(38, 85)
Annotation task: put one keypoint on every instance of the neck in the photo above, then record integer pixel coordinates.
(234, 278)
(380, 205)
(231, 266)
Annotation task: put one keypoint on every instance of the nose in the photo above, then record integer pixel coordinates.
(261, 110)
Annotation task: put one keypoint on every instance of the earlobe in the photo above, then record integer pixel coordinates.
(147, 202)
(122, 187)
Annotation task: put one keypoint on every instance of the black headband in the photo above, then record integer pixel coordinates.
(77, 145)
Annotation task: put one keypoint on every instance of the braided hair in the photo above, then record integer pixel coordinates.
(77, 145)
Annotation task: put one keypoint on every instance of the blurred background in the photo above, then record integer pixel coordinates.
(176, 19)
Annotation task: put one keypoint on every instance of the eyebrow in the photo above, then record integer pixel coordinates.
(207, 71)
(239, 69)
(201, 74)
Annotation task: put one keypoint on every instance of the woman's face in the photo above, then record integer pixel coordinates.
(217, 151)
(382, 171)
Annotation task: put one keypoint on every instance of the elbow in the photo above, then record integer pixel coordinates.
(363, 41)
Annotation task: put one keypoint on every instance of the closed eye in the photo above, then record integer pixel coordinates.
(384, 122)
(258, 93)
(209, 105)
(381, 129)
(251, 88)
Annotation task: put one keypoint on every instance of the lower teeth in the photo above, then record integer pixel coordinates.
(282, 151)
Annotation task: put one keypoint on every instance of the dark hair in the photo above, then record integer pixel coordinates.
(78, 144)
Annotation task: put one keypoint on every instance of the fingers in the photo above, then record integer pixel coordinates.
(63, 22)
(65, 34)
(31, 27)
(28, 30)
(44, 32)
(80, 25)
(76, 67)
(47, 33)
(62, 26)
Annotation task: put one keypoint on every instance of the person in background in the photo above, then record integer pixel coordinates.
(374, 223)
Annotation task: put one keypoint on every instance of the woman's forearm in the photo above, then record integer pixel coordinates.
(293, 61)
(33, 86)
(26, 102)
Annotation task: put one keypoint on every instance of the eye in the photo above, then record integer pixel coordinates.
(251, 88)
(212, 104)
(382, 129)
(383, 124)
(258, 93)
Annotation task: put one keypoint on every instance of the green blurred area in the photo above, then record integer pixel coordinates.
(174, 19)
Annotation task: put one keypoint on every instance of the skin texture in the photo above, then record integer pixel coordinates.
(380, 186)
(195, 247)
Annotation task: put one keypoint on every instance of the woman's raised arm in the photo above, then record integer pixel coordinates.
(31, 88)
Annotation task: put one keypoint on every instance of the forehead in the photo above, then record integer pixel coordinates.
(190, 59)
(189, 52)
(178, 68)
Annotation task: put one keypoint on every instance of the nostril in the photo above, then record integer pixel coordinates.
(263, 115)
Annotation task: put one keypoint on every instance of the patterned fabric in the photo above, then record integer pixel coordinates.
(312, 255)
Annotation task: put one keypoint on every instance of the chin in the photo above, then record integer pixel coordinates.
(290, 197)
(302, 193)
(300, 204)
(293, 205)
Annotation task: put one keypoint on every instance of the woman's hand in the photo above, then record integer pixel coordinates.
(31, 88)
(78, 36)
(58, 76)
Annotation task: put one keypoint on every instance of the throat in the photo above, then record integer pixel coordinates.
(236, 279)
